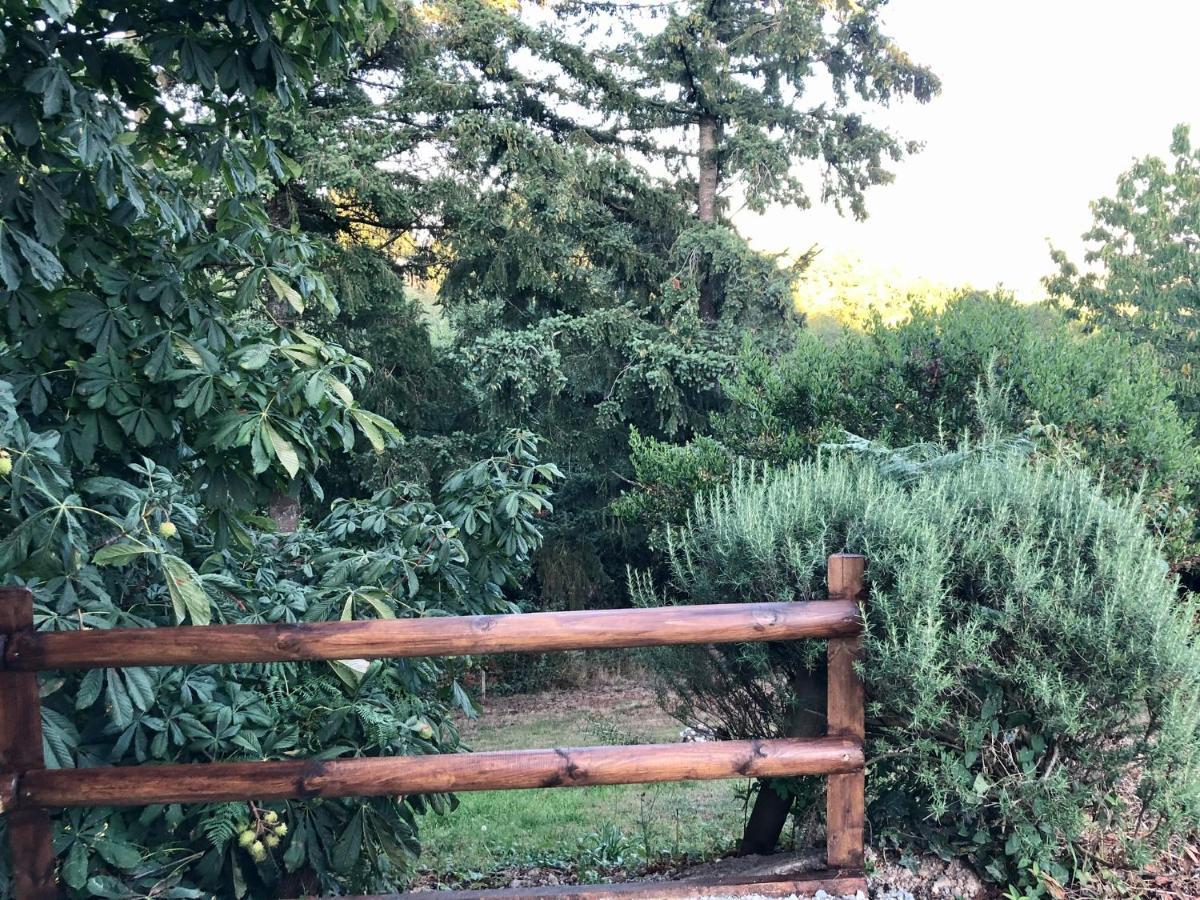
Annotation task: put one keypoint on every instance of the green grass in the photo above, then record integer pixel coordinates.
(590, 831)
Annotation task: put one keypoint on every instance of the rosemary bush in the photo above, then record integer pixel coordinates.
(1032, 674)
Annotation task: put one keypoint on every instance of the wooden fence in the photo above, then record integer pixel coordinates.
(28, 790)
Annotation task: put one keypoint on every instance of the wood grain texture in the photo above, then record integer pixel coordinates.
(30, 831)
(399, 775)
(444, 636)
(834, 883)
(845, 812)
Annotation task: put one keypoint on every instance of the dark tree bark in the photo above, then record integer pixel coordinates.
(711, 132)
(285, 510)
(770, 811)
(706, 194)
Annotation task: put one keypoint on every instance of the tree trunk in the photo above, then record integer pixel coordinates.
(770, 811)
(711, 131)
(285, 510)
(706, 194)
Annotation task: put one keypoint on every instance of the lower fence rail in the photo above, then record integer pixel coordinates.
(380, 776)
(28, 791)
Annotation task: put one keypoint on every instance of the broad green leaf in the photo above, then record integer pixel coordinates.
(60, 739)
(378, 603)
(368, 428)
(348, 848)
(120, 553)
(107, 887)
(42, 263)
(119, 703)
(53, 84)
(75, 866)
(187, 594)
(10, 264)
(198, 356)
(340, 388)
(47, 214)
(58, 10)
(260, 452)
(285, 450)
(301, 355)
(293, 857)
(89, 688)
(255, 356)
(118, 853)
(351, 671)
(140, 686)
(375, 427)
(286, 292)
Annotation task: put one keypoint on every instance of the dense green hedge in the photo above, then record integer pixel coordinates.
(1027, 650)
(982, 362)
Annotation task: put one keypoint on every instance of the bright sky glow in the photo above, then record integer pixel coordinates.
(1043, 104)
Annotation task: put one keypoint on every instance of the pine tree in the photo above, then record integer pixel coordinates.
(529, 167)
(766, 88)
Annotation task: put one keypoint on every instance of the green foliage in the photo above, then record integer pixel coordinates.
(755, 72)
(669, 478)
(155, 390)
(1026, 654)
(582, 381)
(109, 339)
(97, 555)
(527, 166)
(414, 384)
(755, 289)
(982, 362)
(1143, 259)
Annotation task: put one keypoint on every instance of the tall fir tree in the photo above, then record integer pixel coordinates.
(763, 89)
(533, 170)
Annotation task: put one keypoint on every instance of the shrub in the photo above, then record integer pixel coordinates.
(1027, 653)
(1093, 397)
(95, 553)
(669, 476)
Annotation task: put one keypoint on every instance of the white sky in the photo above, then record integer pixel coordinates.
(1043, 104)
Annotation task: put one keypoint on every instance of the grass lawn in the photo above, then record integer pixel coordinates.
(589, 833)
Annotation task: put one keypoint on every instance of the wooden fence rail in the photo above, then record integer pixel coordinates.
(28, 791)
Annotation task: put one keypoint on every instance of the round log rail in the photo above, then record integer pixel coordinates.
(440, 773)
(435, 636)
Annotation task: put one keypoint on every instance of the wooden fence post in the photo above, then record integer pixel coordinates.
(30, 833)
(845, 812)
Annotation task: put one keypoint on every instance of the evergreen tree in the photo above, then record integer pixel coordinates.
(525, 165)
(765, 87)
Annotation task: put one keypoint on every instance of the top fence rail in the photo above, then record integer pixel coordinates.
(31, 651)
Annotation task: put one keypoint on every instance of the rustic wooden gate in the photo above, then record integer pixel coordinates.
(28, 790)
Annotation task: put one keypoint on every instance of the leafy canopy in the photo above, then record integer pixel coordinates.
(136, 252)
(152, 397)
(786, 81)
(1142, 274)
